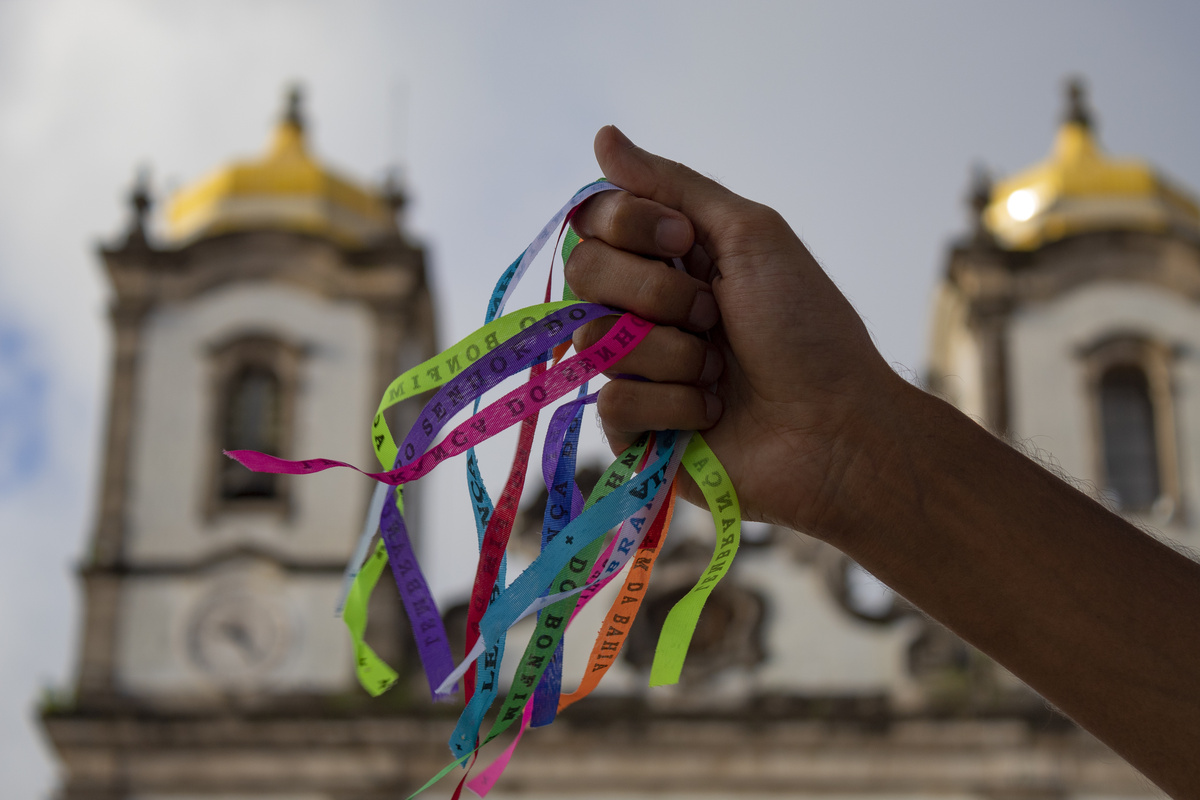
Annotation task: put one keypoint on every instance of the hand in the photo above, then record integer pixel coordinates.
(819, 434)
(800, 391)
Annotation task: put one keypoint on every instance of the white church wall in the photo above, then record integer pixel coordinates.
(174, 451)
(1050, 402)
(965, 379)
(956, 354)
(812, 645)
(240, 626)
(1187, 412)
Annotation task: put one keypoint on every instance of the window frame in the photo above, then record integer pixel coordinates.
(228, 360)
(1155, 360)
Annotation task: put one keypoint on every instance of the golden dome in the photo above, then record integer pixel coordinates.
(284, 190)
(1079, 188)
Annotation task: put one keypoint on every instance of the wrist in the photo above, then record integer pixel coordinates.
(873, 480)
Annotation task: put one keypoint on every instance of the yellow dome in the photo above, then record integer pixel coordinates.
(284, 190)
(1079, 188)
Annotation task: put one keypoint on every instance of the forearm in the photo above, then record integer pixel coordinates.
(1095, 615)
(816, 431)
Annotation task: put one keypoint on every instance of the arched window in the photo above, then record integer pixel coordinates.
(1129, 438)
(858, 592)
(1136, 460)
(252, 422)
(253, 391)
(728, 634)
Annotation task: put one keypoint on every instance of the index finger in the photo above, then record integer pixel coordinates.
(634, 224)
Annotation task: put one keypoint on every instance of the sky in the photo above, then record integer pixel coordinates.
(858, 121)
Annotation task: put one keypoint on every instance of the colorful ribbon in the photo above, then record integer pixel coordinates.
(635, 495)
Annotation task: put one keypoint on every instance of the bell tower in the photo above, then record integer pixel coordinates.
(278, 301)
(1070, 321)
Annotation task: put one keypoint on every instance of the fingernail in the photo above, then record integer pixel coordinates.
(673, 236)
(621, 134)
(714, 364)
(704, 313)
(712, 408)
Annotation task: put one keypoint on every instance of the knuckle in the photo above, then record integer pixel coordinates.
(580, 270)
(698, 408)
(658, 291)
(679, 356)
(585, 221)
(620, 214)
(633, 219)
(586, 253)
(587, 335)
(692, 409)
(753, 222)
(742, 228)
(618, 404)
(604, 216)
(581, 340)
(689, 353)
(618, 440)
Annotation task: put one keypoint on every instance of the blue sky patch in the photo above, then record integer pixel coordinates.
(24, 418)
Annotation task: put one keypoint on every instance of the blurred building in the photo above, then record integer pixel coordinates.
(281, 300)
(1069, 321)
(271, 313)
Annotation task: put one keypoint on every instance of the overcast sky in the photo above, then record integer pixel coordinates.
(858, 121)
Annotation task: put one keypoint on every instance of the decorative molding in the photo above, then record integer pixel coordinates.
(385, 755)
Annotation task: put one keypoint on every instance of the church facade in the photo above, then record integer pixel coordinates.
(281, 300)
(1069, 323)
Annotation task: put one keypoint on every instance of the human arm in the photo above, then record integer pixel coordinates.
(820, 435)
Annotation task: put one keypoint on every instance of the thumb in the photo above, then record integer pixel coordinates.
(708, 204)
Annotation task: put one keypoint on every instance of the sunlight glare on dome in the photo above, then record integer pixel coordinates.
(1022, 204)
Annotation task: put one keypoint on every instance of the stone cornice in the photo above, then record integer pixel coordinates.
(397, 753)
(995, 280)
(384, 275)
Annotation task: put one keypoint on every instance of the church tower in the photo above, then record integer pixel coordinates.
(1070, 322)
(270, 314)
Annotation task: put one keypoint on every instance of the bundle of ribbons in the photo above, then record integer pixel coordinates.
(635, 496)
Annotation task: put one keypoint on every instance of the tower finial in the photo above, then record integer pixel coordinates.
(1077, 107)
(393, 191)
(140, 202)
(979, 195)
(294, 112)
